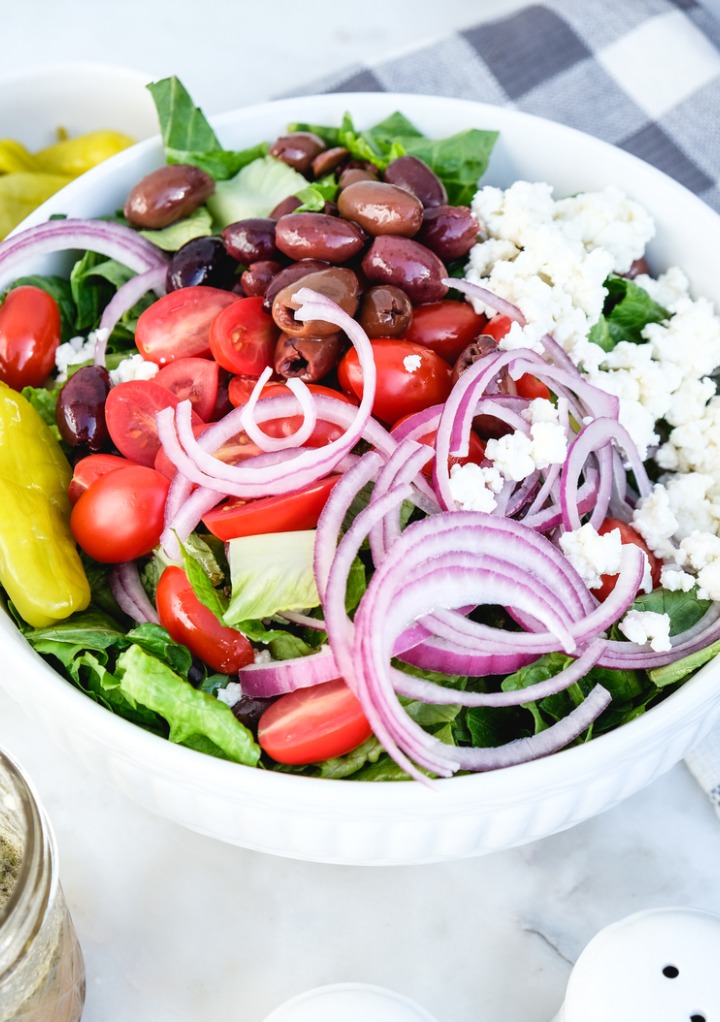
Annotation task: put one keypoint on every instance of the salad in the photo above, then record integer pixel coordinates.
(325, 458)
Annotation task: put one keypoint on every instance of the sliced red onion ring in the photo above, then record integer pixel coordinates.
(123, 300)
(296, 439)
(109, 239)
(493, 301)
(131, 597)
(280, 676)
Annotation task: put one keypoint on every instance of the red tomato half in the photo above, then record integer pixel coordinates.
(130, 411)
(287, 512)
(628, 535)
(193, 379)
(243, 336)
(194, 625)
(88, 469)
(410, 377)
(29, 336)
(120, 516)
(178, 324)
(447, 327)
(313, 724)
(528, 386)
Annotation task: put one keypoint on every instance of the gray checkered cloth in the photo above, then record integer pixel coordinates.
(641, 74)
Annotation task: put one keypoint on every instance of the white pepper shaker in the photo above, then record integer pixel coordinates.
(661, 965)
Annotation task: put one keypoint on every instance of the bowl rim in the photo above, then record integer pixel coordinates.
(520, 779)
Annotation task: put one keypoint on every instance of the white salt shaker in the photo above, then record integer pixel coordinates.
(661, 965)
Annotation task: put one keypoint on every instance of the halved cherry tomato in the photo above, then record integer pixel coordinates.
(243, 336)
(194, 625)
(130, 411)
(476, 451)
(178, 324)
(313, 724)
(446, 326)
(410, 377)
(120, 516)
(29, 336)
(90, 468)
(287, 512)
(194, 379)
(527, 386)
(628, 535)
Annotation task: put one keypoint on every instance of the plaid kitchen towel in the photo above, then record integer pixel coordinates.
(641, 74)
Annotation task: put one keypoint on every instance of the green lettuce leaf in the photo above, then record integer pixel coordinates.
(195, 718)
(269, 574)
(628, 309)
(254, 191)
(197, 225)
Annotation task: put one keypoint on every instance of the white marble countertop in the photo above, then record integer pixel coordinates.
(177, 927)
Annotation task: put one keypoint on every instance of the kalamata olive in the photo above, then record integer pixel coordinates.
(483, 345)
(256, 278)
(318, 236)
(329, 160)
(298, 149)
(307, 358)
(386, 311)
(408, 265)
(637, 266)
(251, 240)
(167, 194)
(381, 208)
(336, 282)
(201, 261)
(249, 710)
(287, 205)
(412, 173)
(288, 275)
(80, 409)
(449, 231)
(351, 175)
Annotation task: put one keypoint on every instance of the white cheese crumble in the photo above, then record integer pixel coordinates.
(134, 368)
(412, 363)
(74, 352)
(646, 627)
(231, 694)
(591, 554)
(474, 487)
(517, 455)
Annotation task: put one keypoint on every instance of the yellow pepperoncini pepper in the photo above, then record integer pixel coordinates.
(40, 567)
(27, 179)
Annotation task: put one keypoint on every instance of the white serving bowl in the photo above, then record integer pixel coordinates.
(402, 822)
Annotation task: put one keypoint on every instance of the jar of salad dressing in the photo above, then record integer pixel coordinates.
(42, 976)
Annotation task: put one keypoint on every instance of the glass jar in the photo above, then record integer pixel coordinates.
(42, 975)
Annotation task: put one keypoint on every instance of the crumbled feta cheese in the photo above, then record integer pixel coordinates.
(412, 363)
(72, 353)
(540, 410)
(675, 580)
(591, 554)
(134, 368)
(647, 627)
(551, 258)
(474, 487)
(655, 520)
(231, 694)
(517, 455)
